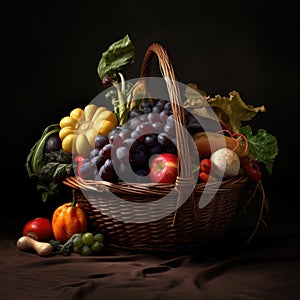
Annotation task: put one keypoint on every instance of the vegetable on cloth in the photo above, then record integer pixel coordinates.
(67, 220)
(26, 243)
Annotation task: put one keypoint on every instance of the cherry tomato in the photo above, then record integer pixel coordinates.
(205, 165)
(203, 176)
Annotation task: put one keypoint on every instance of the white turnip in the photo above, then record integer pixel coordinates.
(225, 162)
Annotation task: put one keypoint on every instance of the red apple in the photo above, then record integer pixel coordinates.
(164, 168)
(39, 229)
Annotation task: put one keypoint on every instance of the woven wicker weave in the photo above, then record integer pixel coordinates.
(175, 225)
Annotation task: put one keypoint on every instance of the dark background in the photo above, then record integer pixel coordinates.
(49, 64)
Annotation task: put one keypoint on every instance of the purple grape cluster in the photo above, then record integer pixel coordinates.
(124, 155)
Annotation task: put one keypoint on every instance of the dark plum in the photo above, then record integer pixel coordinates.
(53, 143)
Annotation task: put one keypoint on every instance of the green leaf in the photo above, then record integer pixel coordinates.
(117, 58)
(36, 158)
(263, 146)
(233, 110)
(196, 102)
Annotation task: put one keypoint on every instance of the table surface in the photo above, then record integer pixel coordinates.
(267, 268)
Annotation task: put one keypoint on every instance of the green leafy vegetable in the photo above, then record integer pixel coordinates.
(35, 158)
(117, 58)
(233, 110)
(262, 147)
(48, 169)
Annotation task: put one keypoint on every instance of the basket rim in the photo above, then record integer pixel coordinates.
(142, 188)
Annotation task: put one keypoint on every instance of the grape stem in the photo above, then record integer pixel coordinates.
(64, 249)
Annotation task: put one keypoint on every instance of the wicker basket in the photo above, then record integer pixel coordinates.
(170, 225)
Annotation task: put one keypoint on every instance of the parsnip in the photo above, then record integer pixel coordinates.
(208, 142)
(26, 243)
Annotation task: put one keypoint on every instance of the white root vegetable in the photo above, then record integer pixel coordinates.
(26, 243)
(225, 162)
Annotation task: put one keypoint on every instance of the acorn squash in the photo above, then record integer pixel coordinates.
(79, 129)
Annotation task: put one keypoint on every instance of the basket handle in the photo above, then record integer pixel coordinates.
(186, 177)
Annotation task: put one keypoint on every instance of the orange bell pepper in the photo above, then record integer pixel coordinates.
(67, 220)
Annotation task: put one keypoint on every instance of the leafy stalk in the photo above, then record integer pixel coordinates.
(116, 59)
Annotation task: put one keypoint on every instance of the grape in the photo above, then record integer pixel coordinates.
(137, 136)
(161, 103)
(170, 149)
(168, 107)
(94, 152)
(87, 170)
(138, 158)
(138, 147)
(150, 140)
(122, 153)
(157, 127)
(170, 129)
(101, 141)
(86, 250)
(153, 117)
(96, 246)
(134, 123)
(147, 110)
(164, 115)
(77, 242)
(98, 161)
(157, 149)
(170, 120)
(77, 234)
(77, 249)
(87, 238)
(164, 140)
(105, 152)
(135, 113)
(143, 118)
(113, 131)
(157, 109)
(144, 128)
(125, 133)
(99, 237)
(146, 103)
(107, 174)
(129, 142)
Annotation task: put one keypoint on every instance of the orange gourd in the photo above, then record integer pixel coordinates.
(67, 220)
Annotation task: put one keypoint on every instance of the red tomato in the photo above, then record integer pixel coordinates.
(205, 165)
(203, 176)
(39, 229)
(206, 176)
(164, 168)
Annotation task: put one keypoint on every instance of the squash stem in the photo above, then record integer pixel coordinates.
(73, 198)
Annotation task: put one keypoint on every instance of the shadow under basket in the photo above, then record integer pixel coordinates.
(146, 218)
